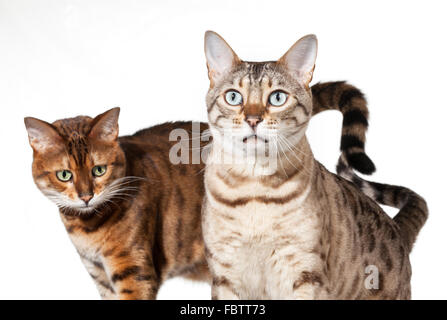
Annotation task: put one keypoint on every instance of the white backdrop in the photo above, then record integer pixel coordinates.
(63, 58)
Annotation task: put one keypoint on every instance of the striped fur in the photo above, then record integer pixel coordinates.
(295, 230)
(142, 225)
(351, 102)
(87, 231)
(413, 209)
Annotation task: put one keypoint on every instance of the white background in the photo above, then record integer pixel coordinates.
(65, 58)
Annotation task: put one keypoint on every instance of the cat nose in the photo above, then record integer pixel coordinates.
(86, 198)
(253, 121)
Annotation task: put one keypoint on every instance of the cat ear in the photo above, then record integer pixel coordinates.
(42, 136)
(300, 59)
(105, 126)
(219, 56)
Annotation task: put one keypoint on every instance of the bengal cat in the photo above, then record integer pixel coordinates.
(133, 216)
(294, 230)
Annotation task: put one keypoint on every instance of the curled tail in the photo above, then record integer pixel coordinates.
(351, 102)
(413, 209)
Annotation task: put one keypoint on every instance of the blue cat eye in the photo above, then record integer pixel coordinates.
(278, 98)
(233, 98)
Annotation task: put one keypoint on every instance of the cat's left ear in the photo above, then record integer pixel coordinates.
(300, 59)
(220, 57)
(105, 126)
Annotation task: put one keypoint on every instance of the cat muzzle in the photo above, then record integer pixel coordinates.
(254, 138)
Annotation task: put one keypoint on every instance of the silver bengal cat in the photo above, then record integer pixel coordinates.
(294, 230)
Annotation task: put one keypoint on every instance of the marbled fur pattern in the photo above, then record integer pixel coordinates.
(299, 232)
(133, 240)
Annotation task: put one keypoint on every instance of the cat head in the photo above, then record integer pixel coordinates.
(77, 162)
(252, 104)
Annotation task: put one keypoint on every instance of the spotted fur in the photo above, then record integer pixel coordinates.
(295, 230)
(413, 209)
(142, 223)
(140, 165)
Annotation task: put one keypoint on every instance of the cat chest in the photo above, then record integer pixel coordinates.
(266, 244)
(86, 247)
(266, 225)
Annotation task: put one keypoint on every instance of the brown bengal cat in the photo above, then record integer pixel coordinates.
(276, 223)
(133, 216)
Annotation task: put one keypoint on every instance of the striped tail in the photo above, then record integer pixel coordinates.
(351, 102)
(413, 209)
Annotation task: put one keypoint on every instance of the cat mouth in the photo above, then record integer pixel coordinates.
(254, 139)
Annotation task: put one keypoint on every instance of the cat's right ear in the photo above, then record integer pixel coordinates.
(41, 135)
(219, 56)
(105, 126)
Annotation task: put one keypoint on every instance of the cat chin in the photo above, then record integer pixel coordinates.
(76, 208)
(84, 209)
(77, 211)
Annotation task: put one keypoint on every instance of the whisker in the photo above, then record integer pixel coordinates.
(296, 157)
(280, 160)
(285, 140)
(285, 155)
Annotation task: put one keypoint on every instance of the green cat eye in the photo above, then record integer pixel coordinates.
(277, 98)
(64, 175)
(99, 170)
(234, 98)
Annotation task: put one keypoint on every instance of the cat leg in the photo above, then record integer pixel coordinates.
(223, 290)
(132, 277)
(99, 276)
(309, 285)
(297, 275)
(224, 282)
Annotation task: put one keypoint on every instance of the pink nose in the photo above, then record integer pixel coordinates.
(253, 121)
(86, 198)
